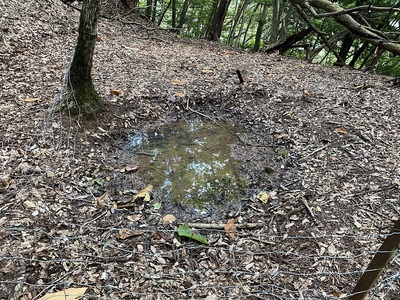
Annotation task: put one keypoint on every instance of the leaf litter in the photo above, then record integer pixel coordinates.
(57, 230)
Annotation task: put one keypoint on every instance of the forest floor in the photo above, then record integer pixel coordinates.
(322, 141)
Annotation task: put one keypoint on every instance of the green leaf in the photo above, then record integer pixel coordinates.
(283, 152)
(100, 181)
(186, 231)
(157, 205)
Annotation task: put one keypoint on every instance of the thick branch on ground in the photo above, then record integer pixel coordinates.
(364, 32)
(289, 42)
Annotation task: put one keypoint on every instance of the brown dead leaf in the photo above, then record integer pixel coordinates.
(116, 92)
(282, 136)
(178, 82)
(131, 168)
(336, 293)
(123, 233)
(102, 201)
(181, 95)
(341, 130)
(169, 219)
(68, 294)
(145, 193)
(31, 100)
(230, 228)
(207, 72)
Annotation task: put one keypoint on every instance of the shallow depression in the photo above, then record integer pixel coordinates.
(191, 162)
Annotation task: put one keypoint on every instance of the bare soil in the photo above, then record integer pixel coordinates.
(324, 141)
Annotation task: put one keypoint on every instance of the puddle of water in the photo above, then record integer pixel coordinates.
(191, 162)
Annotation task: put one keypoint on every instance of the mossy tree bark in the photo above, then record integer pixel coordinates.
(82, 96)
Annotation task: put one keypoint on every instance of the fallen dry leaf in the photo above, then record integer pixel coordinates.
(207, 71)
(68, 294)
(131, 168)
(178, 82)
(181, 95)
(230, 228)
(116, 92)
(123, 233)
(102, 201)
(145, 193)
(169, 219)
(341, 130)
(31, 100)
(263, 197)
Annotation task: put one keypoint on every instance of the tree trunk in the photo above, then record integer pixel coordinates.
(182, 15)
(240, 37)
(347, 42)
(240, 11)
(153, 11)
(215, 28)
(357, 54)
(163, 13)
(274, 32)
(173, 17)
(82, 96)
(149, 9)
(261, 23)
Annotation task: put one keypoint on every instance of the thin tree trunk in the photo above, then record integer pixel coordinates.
(148, 9)
(242, 7)
(173, 17)
(164, 12)
(213, 32)
(274, 32)
(82, 96)
(154, 11)
(357, 54)
(182, 15)
(247, 28)
(347, 42)
(242, 31)
(260, 27)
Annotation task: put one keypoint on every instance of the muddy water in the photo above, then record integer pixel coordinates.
(190, 162)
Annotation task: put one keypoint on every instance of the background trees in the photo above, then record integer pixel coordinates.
(361, 33)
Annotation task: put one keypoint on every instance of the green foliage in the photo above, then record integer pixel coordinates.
(186, 231)
(389, 66)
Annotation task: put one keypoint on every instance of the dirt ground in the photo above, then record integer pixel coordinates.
(324, 141)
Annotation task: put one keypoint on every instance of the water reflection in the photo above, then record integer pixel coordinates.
(191, 162)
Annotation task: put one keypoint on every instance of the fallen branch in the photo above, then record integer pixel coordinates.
(222, 225)
(199, 113)
(314, 152)
(366, 191)
(310, 212)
